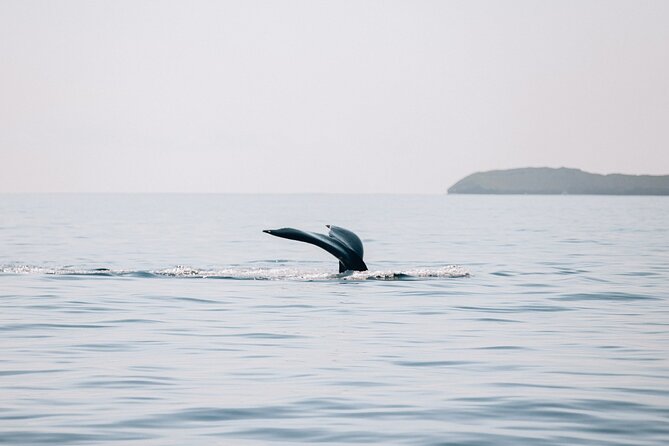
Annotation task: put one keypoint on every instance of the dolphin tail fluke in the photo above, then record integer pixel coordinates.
(340, 242)
(342, 268)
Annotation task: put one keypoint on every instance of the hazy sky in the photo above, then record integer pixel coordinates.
(325, 96)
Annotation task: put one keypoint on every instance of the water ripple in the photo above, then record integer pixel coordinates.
(612, 295)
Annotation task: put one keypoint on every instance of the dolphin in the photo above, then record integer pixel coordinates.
(340, 242)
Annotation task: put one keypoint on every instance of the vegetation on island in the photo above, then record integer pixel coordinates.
(550, 181)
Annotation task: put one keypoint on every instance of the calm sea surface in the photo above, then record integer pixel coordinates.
(485, 320)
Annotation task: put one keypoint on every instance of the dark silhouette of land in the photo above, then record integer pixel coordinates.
(549, 181)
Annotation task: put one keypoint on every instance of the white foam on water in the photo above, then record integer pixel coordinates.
(244, 273)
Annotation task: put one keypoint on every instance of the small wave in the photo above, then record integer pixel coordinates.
(242, 273)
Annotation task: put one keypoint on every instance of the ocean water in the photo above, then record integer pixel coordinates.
(484, 320)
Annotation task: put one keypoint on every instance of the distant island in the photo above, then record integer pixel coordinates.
(549, 181)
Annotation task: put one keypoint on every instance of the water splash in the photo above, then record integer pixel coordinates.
(245, 273)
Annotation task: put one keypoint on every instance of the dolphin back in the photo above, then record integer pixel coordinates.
(341, 243)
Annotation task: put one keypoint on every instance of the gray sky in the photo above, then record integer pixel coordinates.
(325, 96)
